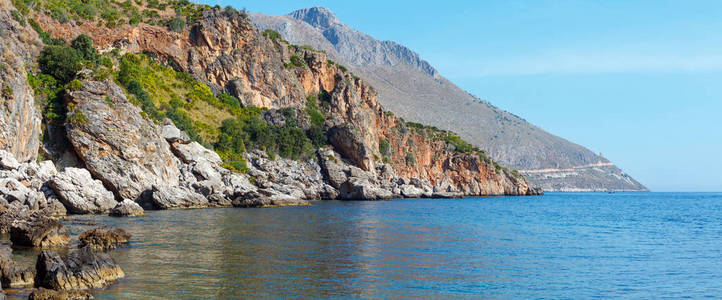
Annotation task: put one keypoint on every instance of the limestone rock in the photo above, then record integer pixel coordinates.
(81, 194)
(127, 208)
(172, 134)
(170, 197)
(80, 269)
(104, 238)
(195, 152)
(363, 189)
(19, 118)
(119, 146)
(8, 161)
(40, 232)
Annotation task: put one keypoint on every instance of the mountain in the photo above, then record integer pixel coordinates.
(410, 87)
(191, 107)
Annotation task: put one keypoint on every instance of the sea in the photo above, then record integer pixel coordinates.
(559, 245)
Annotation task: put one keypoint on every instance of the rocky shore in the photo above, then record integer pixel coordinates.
(109, 157)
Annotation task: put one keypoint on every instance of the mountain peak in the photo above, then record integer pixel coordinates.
(319, 17)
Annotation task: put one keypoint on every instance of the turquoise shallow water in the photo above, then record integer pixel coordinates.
(637, 245)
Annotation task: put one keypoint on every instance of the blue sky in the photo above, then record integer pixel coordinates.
(639, 81)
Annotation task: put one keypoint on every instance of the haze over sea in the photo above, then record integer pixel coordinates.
(640, 245)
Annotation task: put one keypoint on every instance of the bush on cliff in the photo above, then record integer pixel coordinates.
(177, 24)
(84, 44)
(61, 62)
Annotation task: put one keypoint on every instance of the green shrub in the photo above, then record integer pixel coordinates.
(272, 34)
(18, 17)
(229, 100)
(75, 85)
(317, 136)
(384, 147)
(7, 92)
(410, 159)
(297, 61)
(146, 104)
(59, 14)
(84, 44)
(317, 119)
(177, 24)
(61, 62)
(21, 6)
(47, 39)
(77, 117)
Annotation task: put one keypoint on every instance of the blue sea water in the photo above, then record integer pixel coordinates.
(560, 245)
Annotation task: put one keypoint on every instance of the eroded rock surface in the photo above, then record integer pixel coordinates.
(104, 238)
(39, 231)
(117, 144)
(11, 275)
(19, 119)
(46, 294)
(80, 269)
(127, 208)
(80, 193)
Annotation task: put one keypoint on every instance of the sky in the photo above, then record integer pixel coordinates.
(638, 81)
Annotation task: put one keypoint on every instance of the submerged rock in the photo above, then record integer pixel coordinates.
(80, 193)
(104, 238)
(127, 208)
(12, 276)
(46, 294)
(81, 269)
(41, 232)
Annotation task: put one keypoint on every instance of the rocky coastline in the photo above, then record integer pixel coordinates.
(118, 161)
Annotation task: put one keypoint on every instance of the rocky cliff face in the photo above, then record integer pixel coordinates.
(224, 50)
(116, 143)
(19, 120)
(413, 89)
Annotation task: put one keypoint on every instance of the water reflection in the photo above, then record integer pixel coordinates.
(556, 246)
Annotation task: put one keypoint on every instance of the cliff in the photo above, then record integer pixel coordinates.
(19, 120)
(410, 87)
(243, 98)
(224, 50)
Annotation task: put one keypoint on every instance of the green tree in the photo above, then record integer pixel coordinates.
(84, 44)
(61, 62)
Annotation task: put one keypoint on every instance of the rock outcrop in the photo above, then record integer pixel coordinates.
(80, 269)
(410, 87)
(127, 208)
(19, 119)
(80, 193)
(104, 238)
(40, 232)
(119, 146)
(223, 50)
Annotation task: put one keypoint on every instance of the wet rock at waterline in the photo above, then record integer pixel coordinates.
(11, 275)
(80, 193)
(40, 232)
(80, 269)
(127, 208)
(104, 238)
(46, 294)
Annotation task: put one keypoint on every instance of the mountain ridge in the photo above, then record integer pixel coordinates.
(412, 88)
